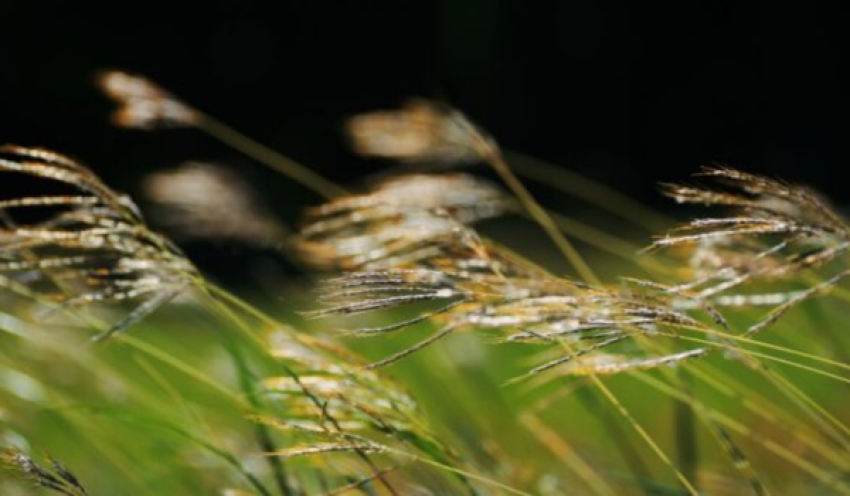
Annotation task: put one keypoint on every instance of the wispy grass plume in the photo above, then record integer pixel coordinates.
(334, 407)
(421, 131)
(211, 202)
(85, 245)
(475, 285)
(774, 231)
(396, 221)
(143, 104)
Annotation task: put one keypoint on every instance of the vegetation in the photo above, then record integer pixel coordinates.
(429, 358)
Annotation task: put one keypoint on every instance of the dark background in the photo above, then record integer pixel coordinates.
(621, 91)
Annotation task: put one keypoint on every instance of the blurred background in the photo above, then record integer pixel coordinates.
(625, 94)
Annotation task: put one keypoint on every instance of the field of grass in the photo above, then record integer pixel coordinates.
(433, 344)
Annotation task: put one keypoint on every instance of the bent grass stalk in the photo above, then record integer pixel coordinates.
(736, 426)
(757, 404)
(268, 157)
(595, 193)
(792, 391)
(495, 159)
(810, 407)
(553, 442)
(641, 431)
(724, 440)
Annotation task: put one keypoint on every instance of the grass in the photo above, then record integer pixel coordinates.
(429, 358)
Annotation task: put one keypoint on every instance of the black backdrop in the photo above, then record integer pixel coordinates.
(621, 91)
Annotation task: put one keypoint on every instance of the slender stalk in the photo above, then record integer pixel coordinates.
(181, 366)
(811, 407)
(449, 468)
(624, 412)
(628, 451)
(596, 193)
(687, 452)
(497, 161)
(645, 435)
(553, 442)
(264, 438)
(753, 402)
(756, 365)
(611, 244)
(801, 462)
(267, 156)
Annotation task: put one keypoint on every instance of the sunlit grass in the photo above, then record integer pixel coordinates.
(433, 359)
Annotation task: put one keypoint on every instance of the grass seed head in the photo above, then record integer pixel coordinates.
(335, 407)
(421, 131)
(328, 389)
(479, 286)
(142, 104)
(207, 201)
(87, 245)
(773, 231)
(400, 221)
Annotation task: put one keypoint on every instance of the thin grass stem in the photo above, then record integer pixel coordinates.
(497, 161)
(558, 447)
(598, 194)
(268, 157)
(455, 470)
(799, 461)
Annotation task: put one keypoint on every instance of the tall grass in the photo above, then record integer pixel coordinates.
(429, 358)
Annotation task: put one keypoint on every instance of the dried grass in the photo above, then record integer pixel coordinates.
(405, 250)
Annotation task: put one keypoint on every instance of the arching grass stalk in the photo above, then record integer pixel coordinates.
(268, 156)
(576, 185)
(562, 450)
(494, 157)
(624, 412)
